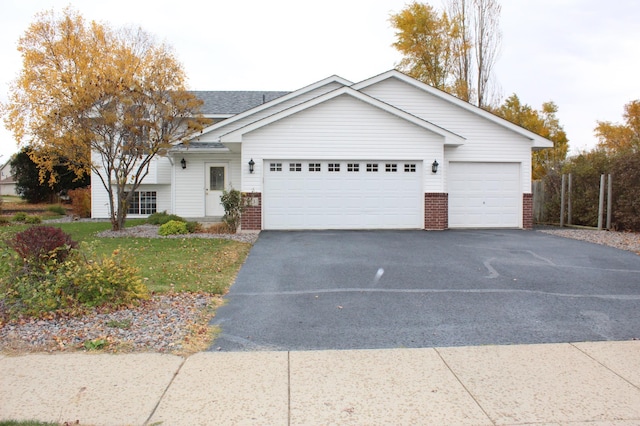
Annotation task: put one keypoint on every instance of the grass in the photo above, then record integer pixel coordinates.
(166, 265)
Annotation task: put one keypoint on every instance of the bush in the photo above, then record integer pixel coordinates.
(218, 228)
(234, 206)
(20, 217)
(194, 227)
(173, 227)
(71, 286)
(33, 220)
(80, 201)
(39, 244)
(160, 218)
(57, 209)
(4, 221)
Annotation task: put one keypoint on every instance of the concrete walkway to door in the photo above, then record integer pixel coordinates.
(416, 289)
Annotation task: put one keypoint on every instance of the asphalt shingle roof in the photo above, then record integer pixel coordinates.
(234, 102)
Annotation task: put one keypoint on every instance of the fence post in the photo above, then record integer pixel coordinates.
(569, 200)
(609, 202)
(562, 200)
(601, 203)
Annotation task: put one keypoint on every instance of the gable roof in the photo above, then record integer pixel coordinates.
(228, 102)
(450, 138)
(538, 141)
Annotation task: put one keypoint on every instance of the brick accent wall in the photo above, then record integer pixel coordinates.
(527, 211)
(251, 219)
(436, 211)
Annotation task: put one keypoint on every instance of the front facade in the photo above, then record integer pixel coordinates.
(385, 153)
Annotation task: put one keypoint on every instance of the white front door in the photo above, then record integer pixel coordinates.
(216, 182)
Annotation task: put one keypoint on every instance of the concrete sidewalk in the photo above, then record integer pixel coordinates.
(594, 383)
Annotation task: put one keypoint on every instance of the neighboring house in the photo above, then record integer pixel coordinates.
(388, 152)
(7, 180)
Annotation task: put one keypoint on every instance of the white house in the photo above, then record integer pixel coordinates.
(7, 180)
(388, 152)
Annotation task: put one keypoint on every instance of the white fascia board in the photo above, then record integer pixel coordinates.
(450, 138)
(313, 86)
(538, 142)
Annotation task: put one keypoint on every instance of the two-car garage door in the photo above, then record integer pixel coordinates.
(349, 194)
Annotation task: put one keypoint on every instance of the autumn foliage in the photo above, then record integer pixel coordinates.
(85, 89)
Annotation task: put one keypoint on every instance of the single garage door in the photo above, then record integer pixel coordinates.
(302, 194)
(484, 195)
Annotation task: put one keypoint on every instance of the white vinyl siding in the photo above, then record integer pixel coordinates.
(215, 134)
(344, 128)
(100, 199)
(485, 140)
(190, 183)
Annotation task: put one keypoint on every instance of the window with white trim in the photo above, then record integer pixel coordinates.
(143, 202)
(410, 168)
(295, 167)
(314, 167)
(372, 167)
(275, 167)
(334, 167)
(353, 167)
(391, 167)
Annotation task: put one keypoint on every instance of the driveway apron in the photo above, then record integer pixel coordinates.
(393, 289)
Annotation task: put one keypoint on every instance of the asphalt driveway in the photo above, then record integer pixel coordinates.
(393, 289)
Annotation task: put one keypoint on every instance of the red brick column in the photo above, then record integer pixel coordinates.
(251, 219)
(527, 211)
(436, 211)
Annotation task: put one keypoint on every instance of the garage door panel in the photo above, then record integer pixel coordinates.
(350, 198)
(484, 195)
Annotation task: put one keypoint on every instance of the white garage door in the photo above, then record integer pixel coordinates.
(342, 195)
(484, 195)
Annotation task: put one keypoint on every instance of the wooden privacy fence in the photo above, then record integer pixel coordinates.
(541, 196)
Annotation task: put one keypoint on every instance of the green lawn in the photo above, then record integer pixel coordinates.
(166, 264)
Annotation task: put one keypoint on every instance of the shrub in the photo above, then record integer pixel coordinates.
(33, 220)
(160, 218)
(71, 286)
(173, 227)
(57, 209)
(234, 206)
(20, 217)
(194, 227)
(4, 220)
(41, 243)
(218, 228)
(81, 201)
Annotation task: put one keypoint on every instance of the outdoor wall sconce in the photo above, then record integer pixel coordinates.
(434, 166)
(251, 164)
(183, 162)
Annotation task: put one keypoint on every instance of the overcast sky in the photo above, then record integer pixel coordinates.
(582, 54)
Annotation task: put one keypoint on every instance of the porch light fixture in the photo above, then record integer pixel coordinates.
(183, 163)
(434, 166)
(251, 164)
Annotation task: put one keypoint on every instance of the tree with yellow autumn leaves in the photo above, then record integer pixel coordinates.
(93, 98)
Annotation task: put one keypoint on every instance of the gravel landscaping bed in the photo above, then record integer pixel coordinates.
(622, 240)
(169, 323)
(151, 231)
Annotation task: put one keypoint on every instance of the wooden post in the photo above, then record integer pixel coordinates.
(609, 202)
(601, 203)
(562, 201)
(569, 201)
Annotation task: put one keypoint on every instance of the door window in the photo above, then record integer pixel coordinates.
(216, 178)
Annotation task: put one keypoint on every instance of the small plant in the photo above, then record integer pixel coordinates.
(218, 228)
(124, 324)
(95, 344)
(33, 220)
(81, 201)
(20, 217)
(4, 220)
(160, 218)
(57, 209)
(41, 243)
(234, 205)
(194, 227)
(173, 227)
